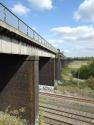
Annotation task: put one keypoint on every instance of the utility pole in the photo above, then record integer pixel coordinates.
(78, 80)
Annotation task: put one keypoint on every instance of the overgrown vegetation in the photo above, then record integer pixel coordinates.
(85, 71)
(78, 78)
(90, 82)
(41, 118)
(69, 70)
(12, 117)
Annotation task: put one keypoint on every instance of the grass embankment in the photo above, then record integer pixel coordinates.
(41, 118)
(72, 85)
(7, 119)
(74, 65)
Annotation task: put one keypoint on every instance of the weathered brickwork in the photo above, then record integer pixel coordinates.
(19, 85)
(58, 68)
(46, 71)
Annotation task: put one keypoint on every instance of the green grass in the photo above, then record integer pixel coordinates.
(66, 73)
(7, 119)
(74, 65)
(77, 64)
(12, 117)
(70, 84)
(41, 118)
(82, 90)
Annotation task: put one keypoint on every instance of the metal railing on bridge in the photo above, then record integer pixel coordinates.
(11, 19)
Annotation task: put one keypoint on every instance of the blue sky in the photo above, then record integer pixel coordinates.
(66, 24)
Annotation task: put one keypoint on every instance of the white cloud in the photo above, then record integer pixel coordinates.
(85, 11)
(20, 9)
(41, 4)
(80, 33)
(80, 40)
(67, 51)
(56, 43)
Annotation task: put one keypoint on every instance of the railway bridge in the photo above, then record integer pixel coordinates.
(26, 60)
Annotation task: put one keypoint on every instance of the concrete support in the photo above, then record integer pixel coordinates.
(58, 68)
(46, 71)
(19, 85)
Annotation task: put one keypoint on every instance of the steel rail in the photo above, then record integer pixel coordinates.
(68, 97)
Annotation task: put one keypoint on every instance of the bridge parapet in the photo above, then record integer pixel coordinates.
(9, 18)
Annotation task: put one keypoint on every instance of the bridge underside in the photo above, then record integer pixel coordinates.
(19, 79)
(46, 71)
(26, 59)
(49, 71)
(24, 63)
(19, 85)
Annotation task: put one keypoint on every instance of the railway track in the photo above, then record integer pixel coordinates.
(57, 113)
(56, 116)
(68, 97)
(52, 121)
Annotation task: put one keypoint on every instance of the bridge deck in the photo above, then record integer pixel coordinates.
(13, 24)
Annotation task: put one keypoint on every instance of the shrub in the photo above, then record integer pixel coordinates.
(41, 118)
(7, 119)
(90, 82)
(85, 71)
(12, 117)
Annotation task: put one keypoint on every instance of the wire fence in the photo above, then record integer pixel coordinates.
(8, 17)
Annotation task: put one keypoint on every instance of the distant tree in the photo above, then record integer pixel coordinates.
(85, 71)
(90, 82)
